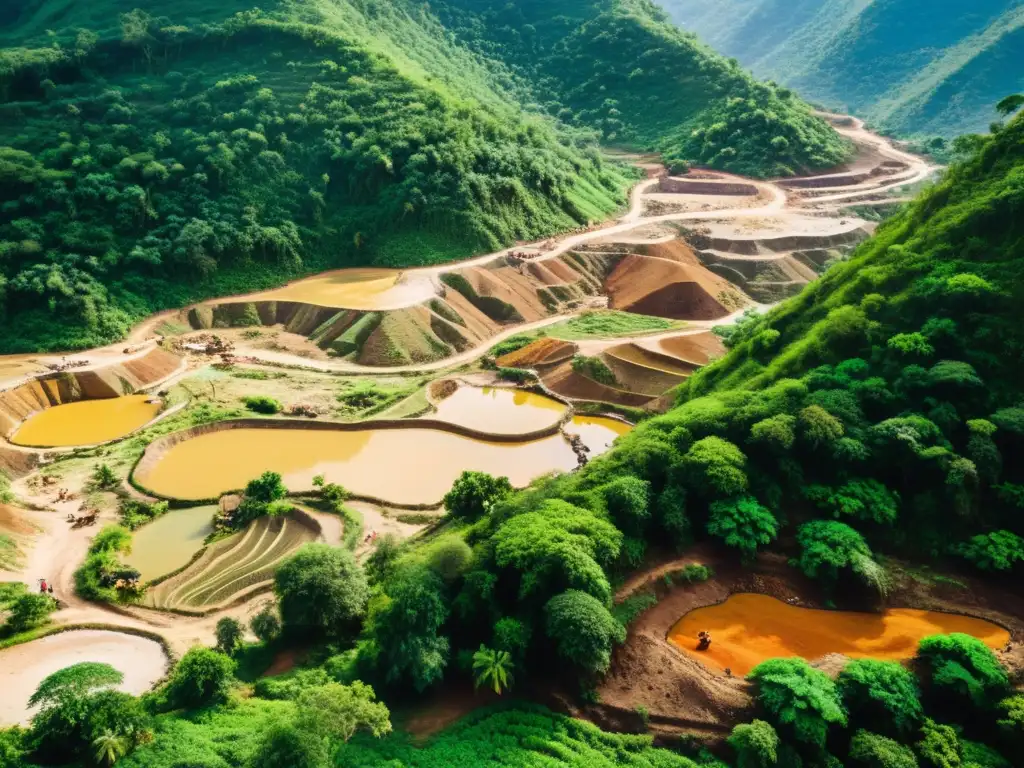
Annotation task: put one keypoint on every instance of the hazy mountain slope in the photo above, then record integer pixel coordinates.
(152, 158)
(906, 65)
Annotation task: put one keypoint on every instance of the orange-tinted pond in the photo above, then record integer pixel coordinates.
(747, 629)
(86, 422)
(597, 432)
(398, 465)
(362, 289)
(498, 410)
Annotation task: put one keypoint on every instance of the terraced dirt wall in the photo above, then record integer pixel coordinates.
(473, 304)
(123, 378)
(234, 569)
(672, 185)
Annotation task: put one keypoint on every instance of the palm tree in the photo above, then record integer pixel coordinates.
(109, 748)
(493, 668)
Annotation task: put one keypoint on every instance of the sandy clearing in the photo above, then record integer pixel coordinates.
(23, 667)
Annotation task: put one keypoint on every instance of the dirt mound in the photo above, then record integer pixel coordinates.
(442, 388)
(673, 289)
(563, 380)
(695, 348)
(638, 371)
(12, 520)
(538, 352)
(15, 464)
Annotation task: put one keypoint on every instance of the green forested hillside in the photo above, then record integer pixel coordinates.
(153, 157)
(908, 66)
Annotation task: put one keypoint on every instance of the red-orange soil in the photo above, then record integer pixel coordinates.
(663, 287)
(538, 352)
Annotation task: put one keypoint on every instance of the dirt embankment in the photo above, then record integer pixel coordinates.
(122, 378)
(650, 285)
(474, 303)
(677, 186)
(682, 695)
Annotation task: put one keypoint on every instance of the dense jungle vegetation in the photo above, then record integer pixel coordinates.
(878, 413)
(157, 156)
(908, 66)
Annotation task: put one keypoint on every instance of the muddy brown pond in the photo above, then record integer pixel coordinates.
(498, 410)
(403, 466)
(86, 422)
(169, 542)
(747, 629)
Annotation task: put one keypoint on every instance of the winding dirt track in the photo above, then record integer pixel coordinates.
(58, 550)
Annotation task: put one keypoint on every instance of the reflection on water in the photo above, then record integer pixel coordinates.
(87, 422)
(362, 289)
(747, 629)
(169, 542)
(503, 411)
(397, 465)
(597, 432)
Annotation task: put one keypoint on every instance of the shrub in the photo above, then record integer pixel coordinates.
(202, 677)
(829, 548)
(516, 375)
(28, 611)
(962, 670)
(882, 696)
(877, 751)
(628, 501)
(756, 745)
(229, 635)
(582, 630)
(262, 404)
(743, 524)
(449, 557)
(799, 698)
(285, 745)
(474, 493)
(321, 590)
(594, 368)
(266, 625)
(996, 551)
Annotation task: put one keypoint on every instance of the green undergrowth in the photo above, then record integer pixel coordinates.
(608, 324)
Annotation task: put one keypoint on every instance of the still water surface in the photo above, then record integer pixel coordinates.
(170, 541)
(86, 422)
(502, 411)
(747, 629)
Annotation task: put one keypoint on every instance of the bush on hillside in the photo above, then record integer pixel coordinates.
(262, 404)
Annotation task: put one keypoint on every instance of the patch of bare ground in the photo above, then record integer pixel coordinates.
(442, 708)
(541, 351)
(672, 288)
(682, 695)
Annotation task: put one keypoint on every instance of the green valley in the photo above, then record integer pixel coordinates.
(909, 67)
(504, 385)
